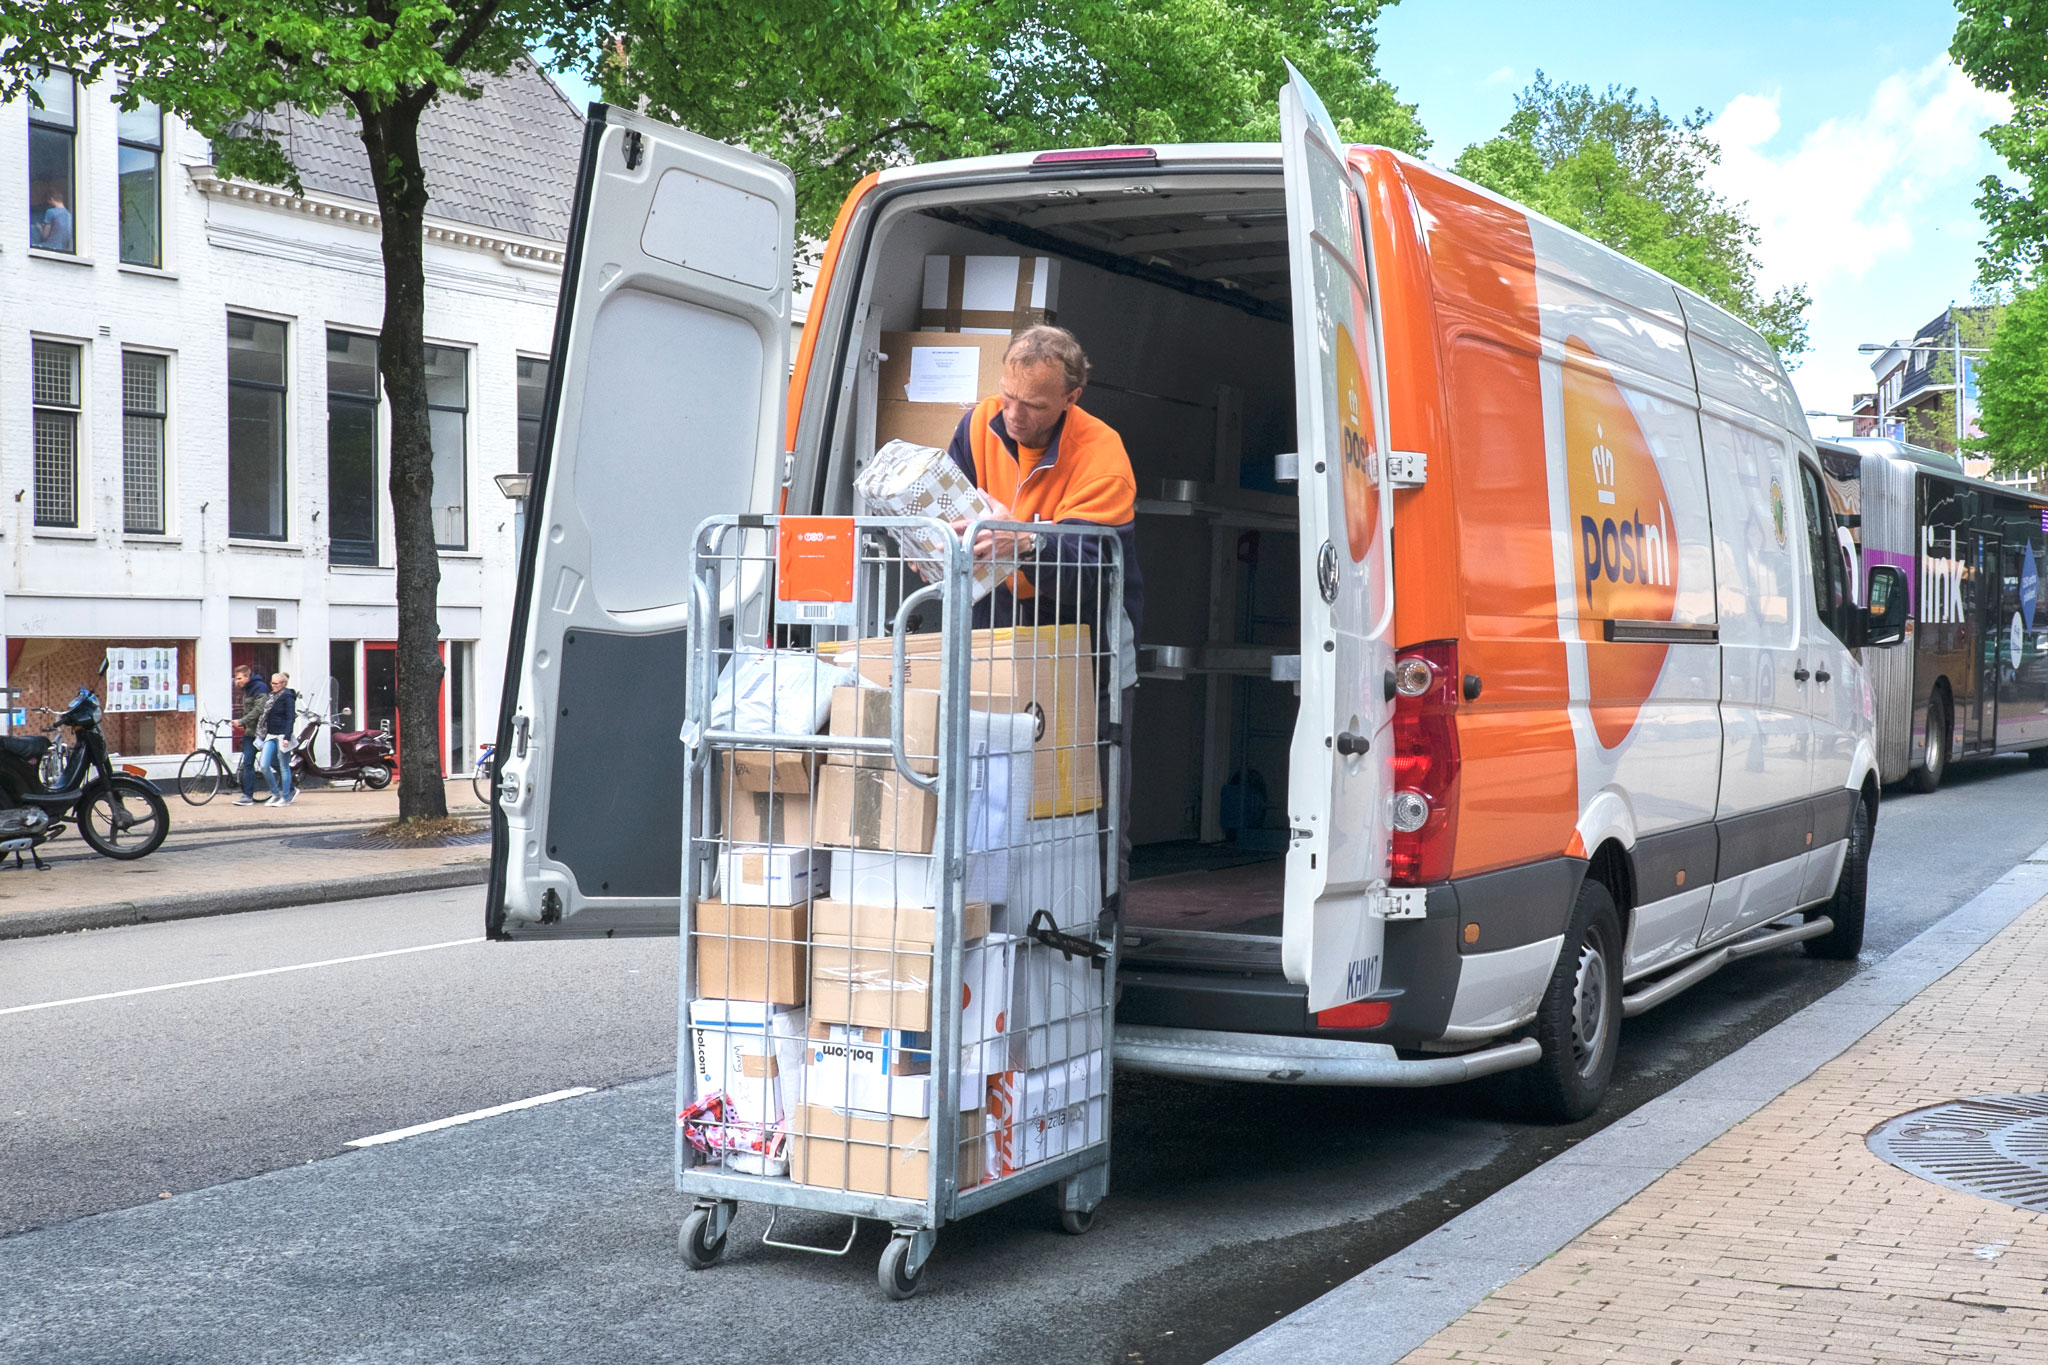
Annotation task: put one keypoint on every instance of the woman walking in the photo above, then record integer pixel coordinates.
(277, 740)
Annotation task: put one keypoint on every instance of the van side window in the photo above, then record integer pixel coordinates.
(1823, 560)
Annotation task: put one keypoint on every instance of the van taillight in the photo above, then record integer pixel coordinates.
(1095, 156)
(1425, 800)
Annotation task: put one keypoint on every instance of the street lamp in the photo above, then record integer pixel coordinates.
(1955, 348)
(517, 487)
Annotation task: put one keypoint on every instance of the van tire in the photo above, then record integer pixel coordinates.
(1927, 776)
(1845, 907)
(1579, 1021)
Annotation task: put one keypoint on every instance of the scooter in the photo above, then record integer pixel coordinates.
(363, 757)
(118, 812)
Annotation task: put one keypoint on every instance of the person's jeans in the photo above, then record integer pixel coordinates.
(277, 764)
(249, 768)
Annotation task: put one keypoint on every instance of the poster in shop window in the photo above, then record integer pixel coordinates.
(143, 679)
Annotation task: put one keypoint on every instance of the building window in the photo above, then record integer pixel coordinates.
(533, 391)
(55, 436)
(52, 163)
(256, 392)
(142, 152)
(351, 448)
(142, 443)
(461, 708)
(448, 425)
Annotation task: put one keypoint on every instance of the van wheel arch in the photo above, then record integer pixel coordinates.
(1614, 868)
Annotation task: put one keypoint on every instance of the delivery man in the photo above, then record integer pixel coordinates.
(1039, 457)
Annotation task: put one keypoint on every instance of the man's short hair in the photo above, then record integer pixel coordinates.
(1043, 343)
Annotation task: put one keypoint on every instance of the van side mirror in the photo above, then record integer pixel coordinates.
(1885, 620)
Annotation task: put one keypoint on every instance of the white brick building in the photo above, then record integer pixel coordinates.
(134, 511)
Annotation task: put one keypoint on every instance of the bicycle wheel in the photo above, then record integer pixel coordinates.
(480, 780)
(200, 776)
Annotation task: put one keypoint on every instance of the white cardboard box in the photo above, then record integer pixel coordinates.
(879, 1071)
(772, 874)
(1058, 867)
(1057, 1007)
(996, 294)
(1034, 1116)
(752, 1052)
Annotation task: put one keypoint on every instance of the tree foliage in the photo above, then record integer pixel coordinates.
(1619, 169)
(945, 78)
(2012, 386)
(2004, 47)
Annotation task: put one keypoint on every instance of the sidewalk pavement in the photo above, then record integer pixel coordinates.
(220, 858)
(1742, 1216)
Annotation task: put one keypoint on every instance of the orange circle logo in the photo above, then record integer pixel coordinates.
(1355, 445)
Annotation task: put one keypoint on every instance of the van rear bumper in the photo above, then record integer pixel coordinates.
(1204, 1054)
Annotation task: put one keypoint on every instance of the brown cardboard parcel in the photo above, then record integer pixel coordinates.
(1047, 670)
(897, 418)
(876, 1154)
(752, 952)
(782, 816)
(863, 713)
(780, 770)
(871, 966)
(875, 808)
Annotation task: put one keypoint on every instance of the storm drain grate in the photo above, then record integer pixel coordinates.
(1994, 1145)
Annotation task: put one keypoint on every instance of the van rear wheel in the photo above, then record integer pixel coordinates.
(1579, 1020)
(1845, 908)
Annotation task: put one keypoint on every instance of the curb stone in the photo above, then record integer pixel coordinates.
(199, 905)
(1395, 1306)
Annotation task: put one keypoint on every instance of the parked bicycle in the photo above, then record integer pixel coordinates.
(480, 779)
(204, 772)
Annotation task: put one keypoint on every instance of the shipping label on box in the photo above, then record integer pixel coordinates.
(754, 1055)
(754, 816)
(1035, 1116)
(768, 874)
(874, 808)
(752, 952)
(863, 713)
(877, 1154)
(992, 294)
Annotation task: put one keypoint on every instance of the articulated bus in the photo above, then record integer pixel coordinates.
(1975, 681)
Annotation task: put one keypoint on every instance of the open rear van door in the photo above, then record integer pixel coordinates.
(665, 406)
(1341, 763)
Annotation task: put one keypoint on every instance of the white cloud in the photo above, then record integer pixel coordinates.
(1870, 210)
(1504, 76)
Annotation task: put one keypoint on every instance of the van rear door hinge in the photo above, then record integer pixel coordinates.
(1407, 468)
(1401, 902)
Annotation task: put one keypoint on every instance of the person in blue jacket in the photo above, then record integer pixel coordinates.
(277, 740)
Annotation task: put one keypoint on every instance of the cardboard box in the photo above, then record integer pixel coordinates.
(863, 713)
(968, 369)
(918, 424)
(770, 874)
(753, 952)
(874, 983)
(877, 1153)
(911, 479)
(993, 294)
(1034, 1116)
(1057, 1007)
(837, 918)
(761, 816)
(753, 1053)
(1058, 868)
(874, 808)
(772, 770)
(1045, 670)
(880, 1071)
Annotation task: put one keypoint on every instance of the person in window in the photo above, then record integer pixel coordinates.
(252, 695)
(277, 740)
(53, 229)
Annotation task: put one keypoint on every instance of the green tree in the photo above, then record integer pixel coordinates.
(225, 66)
(2012, 387)
(2004, 47)
(951, 79)
(1628, 175)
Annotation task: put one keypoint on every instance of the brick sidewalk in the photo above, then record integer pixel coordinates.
(221, 846)
(1787, 1240)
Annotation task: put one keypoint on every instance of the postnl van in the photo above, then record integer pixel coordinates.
(1500, 676)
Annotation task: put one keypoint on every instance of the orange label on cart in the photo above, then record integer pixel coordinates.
(814, 559)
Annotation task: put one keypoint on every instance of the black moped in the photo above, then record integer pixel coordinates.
(119, 812)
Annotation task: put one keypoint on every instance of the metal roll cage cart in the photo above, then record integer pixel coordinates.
(1016, 932)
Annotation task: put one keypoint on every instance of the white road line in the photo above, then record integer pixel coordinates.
(378, 1139)
(238, 976)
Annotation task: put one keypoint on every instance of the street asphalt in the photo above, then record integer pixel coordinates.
(552, 1231)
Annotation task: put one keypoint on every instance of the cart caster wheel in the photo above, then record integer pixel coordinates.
(897, 1279)
(701, 1250)
(1075, 1223)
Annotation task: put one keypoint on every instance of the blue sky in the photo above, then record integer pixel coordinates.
(1843, 127)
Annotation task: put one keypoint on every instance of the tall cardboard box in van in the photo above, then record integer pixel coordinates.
(921, 398)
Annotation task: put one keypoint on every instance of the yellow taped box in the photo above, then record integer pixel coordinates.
(1046, 670)
(876, 1154)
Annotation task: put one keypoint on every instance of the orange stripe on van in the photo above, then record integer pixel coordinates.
(807, 346)
(1473, 549)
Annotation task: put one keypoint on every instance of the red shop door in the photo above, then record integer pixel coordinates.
(380, 694)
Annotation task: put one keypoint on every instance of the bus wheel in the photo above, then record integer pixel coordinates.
(1927, 776)
(1845, 940)
(1579, 1020)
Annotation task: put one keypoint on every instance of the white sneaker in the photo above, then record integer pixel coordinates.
(289, 799)
(275, 801)
(245, 800)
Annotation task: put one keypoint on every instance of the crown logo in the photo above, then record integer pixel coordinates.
(1603, 465)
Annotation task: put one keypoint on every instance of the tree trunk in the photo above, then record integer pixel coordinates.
(391, 137)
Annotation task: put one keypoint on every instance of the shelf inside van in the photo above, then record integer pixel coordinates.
(1226, 506)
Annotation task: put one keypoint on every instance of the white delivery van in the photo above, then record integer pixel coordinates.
(1500, 676)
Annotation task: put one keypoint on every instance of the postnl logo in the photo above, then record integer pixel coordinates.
(1623, 538)
(1355, 438)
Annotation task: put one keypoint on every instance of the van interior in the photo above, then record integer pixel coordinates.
(1178, 288)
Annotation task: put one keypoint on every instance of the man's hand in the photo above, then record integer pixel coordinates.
(1008, 546)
